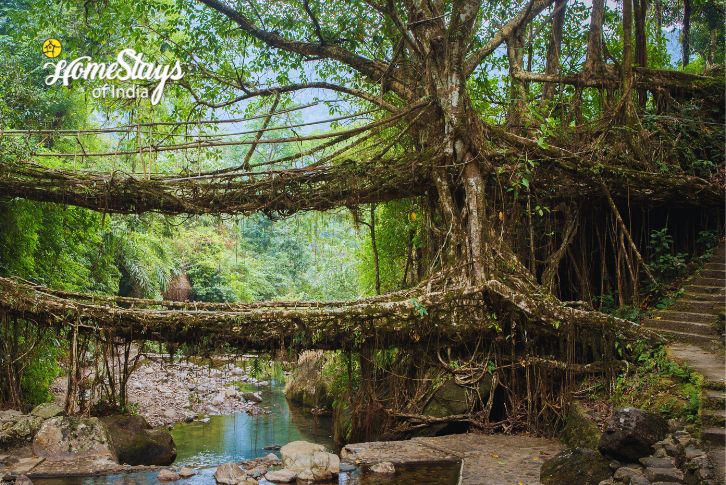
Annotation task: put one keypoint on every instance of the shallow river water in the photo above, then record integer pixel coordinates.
(241, 436)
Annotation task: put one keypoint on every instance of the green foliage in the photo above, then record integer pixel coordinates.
(658, 384)
(42, 369)
(664, 264)
(398, 233)
(707, 240)
(335, 371)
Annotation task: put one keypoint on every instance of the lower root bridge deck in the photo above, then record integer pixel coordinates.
(453, 316)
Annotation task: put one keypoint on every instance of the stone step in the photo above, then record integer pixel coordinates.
(686, 316)
(713, 273)
(698, 296)
(709, 297)
(705, 329)
(715, 265)
(687, 337)
(714, 385)
(697, 306)
(712, 399)
(703, 281)
(713, 417)
(714, 436)
(709, 290)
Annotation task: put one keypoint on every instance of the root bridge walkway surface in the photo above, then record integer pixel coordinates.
(692, 324)
(485, 459)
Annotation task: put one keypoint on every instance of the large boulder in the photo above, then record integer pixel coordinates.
(135, 443)
(47, 410)
(66, 437)
(630, 434)
(580, 430)
(8, 419)
(307, 385)
(579, 466)
(309, 460)
(451, 399)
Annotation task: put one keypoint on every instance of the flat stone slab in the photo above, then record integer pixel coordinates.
(396, 452)
(83, 466)
(709, 364)
(24, 465)
(486, 459)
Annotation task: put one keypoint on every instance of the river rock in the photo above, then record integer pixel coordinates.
(281, 476)
(630, 434)
(167, 475)
(17, 428)
(186, 472)
(309, 459)
(229, 474)
(270, 458)
(670, 475)
(251, 396)
(23, 480)
(384, 468)
(579, 466)
(629, 475)
(135, 443)
(25, 428)
(257, 471)
(72, 437)
(47, 410)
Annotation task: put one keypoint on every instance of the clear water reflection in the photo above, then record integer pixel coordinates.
(241, 436)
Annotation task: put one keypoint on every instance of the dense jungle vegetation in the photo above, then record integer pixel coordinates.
(515, 123)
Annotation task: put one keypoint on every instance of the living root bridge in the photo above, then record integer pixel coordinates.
(286, 192)
(407, 318)
(282, 192)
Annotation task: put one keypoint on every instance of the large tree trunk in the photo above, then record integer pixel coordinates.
(685, 39)
(641, 51)
(594, 59)
(554, 47)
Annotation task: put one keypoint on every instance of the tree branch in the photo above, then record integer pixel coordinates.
(372, 69)
(533, 8)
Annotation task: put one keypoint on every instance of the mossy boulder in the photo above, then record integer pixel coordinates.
(451, 398)
(579, 466)
(307, 385)
(65, 437)
(580, 430)
(136, 443)
(47, 410)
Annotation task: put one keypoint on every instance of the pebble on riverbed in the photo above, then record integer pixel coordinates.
(167, 475)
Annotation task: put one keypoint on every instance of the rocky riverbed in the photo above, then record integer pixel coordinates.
(165, 393)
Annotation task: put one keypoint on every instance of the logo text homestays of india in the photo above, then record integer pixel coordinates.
(129, 66)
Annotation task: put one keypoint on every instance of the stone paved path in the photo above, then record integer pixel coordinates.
(485, 459)
(691, 324)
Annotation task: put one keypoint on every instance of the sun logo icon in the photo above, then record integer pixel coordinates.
(52, 48)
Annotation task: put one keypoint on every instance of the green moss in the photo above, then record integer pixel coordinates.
(660, 385)
(580, 429)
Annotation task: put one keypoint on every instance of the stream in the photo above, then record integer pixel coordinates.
(242, 436)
